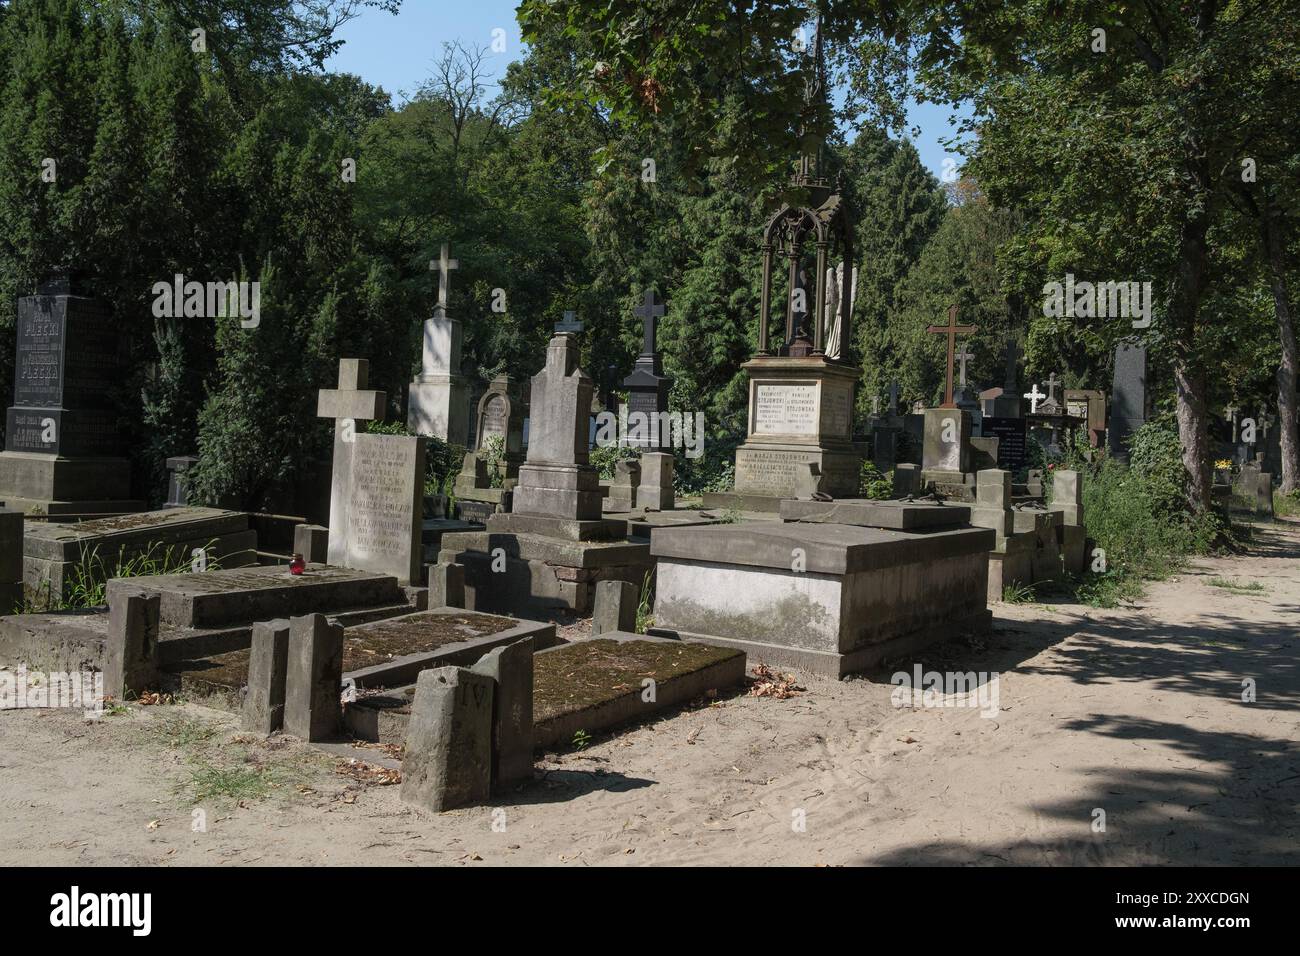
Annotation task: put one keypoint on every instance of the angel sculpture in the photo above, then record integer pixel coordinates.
(835, 310)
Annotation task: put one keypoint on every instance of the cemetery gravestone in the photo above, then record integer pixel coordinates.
(1128, 409)
(62, 452)
(385, 490)
(436, 403)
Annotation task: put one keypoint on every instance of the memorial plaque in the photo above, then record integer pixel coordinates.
(54, 431)
(385, 488)
(783, 409)
(1010, 433)
(768, 472)
(837, 411)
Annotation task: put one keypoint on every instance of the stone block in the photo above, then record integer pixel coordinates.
(131, 644)
(907, 479)
(616, 607)
(1073, 544)
(511, 667)
(312, 709)
(656, 488)
(446, 585)
(947, 440)
(268, 666)
(312, 541)
(448, 760)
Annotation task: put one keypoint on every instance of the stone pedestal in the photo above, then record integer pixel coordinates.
(827, 598)
(800, 412)
(946, 457)
(437, 402)
(656, 489)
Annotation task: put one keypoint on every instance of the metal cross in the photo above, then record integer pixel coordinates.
(952, 330)
(649, 311)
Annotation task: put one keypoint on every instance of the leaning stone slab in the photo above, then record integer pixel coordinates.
(268, 668)
(446, 585)
(511, 668)
(312, 709)
(448, 759)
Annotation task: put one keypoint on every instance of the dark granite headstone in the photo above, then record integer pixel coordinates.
(647, 386)
(1128, 409)
(1010, 433)
(68, 363)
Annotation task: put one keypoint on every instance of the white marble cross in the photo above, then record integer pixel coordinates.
(1052, 382)
(1034, 396)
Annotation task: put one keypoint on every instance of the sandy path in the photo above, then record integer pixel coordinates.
(1136, 712)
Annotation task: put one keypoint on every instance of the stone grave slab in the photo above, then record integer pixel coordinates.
(55, 553)
(593, 685)
(871, 513)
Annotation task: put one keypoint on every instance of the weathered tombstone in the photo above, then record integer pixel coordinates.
(350, 403)
(1128, 409)
(623, 491)
(1067, 500)
(615, 608)
(62, 449)
(312, 709)
(1013, 449)
(268, 667)
(511, 669)
(907, 479)
(436, 403)
(177, 468)
(656, 491)
(446, 585)
(131, 644)
(500, 414)
(448, 759)
(312, 542)
(385, 492)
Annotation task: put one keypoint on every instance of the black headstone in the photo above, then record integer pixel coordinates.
(647, 386)
(1010, 433)
(68, 365)
(1128, 405)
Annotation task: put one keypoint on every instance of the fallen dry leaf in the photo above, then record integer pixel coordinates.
(770, 683)
(368, 773)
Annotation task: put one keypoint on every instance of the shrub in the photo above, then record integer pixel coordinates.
(873, 484)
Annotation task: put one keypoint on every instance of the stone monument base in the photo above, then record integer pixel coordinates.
(524, 572)
(54, 485)
(438, 406)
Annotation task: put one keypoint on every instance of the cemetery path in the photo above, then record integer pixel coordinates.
(1134, 712)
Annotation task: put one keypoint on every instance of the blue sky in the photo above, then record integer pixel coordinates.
(398, 52)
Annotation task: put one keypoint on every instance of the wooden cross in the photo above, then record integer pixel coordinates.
(444, 264)
(650, 311)
(952, 330)
(570, 323)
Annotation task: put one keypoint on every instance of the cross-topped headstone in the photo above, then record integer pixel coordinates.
(952, 330)
(963, 357)
(1034, 396)
(1013, 356)
(444, 264)
(650, 311)
(875, 404)
(1052, 382)
(570, 323)
(347, 404)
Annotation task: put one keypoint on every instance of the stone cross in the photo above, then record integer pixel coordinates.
(570, 323)
(875, 404)
(1013, 356)
(1052, 382)
(1034, 396)
(444, 264)
(1231, 412)
(650, 311)
(963, 356)
(347, 404)
(952, 330)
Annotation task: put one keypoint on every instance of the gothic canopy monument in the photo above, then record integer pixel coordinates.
(800, 379)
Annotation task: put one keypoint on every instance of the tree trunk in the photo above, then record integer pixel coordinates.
(1193, 432)
(1287, 413)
